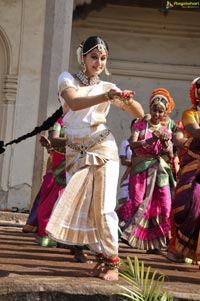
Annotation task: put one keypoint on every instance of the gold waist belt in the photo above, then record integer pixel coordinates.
(147, 156)
(83, 147)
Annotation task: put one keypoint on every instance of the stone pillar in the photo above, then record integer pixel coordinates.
(31, 32)
(57, 42)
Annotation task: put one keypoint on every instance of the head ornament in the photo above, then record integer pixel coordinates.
(193, 91)
(162, 97)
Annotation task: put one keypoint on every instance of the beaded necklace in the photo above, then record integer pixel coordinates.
(87, 81)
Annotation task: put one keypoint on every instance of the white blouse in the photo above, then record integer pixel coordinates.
(78, 123)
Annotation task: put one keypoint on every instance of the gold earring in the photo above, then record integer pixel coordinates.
(106, 71)
(83, 67)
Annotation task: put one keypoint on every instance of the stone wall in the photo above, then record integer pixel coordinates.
(148, 49)
(34, 48)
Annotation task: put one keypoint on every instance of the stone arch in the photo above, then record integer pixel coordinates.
(5, 44)
(4, 67)
(8, 88)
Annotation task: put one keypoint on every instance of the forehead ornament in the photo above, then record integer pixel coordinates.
(100, 46)
(161, 100)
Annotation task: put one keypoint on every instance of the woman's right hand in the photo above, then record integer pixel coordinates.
(45, 141)
(156, 135)
(112, 93)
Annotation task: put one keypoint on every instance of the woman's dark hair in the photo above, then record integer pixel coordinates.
(38, 129)
(133, 121)
(93, 42)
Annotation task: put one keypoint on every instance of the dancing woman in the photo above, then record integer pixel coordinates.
(185, 242)
(56, 181)
(84, 214)
(151, 179)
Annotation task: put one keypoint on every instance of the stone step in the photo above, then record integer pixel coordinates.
(31, 272)
(13, 218)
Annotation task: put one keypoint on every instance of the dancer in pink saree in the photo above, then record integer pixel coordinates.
(55, 184)
(151, 180)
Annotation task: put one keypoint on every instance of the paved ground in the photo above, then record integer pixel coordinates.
(29, 272)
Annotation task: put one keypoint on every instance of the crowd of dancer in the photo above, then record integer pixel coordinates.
(158, 207)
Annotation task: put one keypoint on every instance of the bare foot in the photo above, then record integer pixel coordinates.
(110, 275)
(196, 262)
(79, 256)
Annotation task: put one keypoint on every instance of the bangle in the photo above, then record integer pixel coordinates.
(128, 101)
(166, 149)
(144, 144)
(108, 98)
(106, 95)
(49, 149)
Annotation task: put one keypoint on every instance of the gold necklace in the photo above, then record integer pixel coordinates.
(155, 126)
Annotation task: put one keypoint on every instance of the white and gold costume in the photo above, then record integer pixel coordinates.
(84, 214)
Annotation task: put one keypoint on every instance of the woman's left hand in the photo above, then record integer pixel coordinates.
(126, 96)
(124, 100)
(164, 137)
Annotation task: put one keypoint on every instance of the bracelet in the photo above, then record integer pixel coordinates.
(128, 101)
(144, 144)
(107, 96)
(166, 149)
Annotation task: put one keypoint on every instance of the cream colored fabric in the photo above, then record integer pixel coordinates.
(84, 213)
(97, 155)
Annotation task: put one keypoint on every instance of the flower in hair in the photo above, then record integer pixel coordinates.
(79, 53)
(193, 91)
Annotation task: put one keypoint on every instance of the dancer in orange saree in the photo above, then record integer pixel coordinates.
(185, 242)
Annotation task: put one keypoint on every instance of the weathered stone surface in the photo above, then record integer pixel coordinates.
(30, 272)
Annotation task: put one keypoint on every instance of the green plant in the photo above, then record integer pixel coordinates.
(143, 285)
